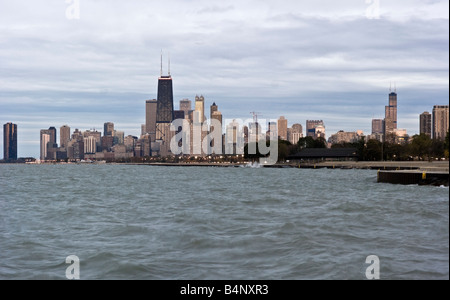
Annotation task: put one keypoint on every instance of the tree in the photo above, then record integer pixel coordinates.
(373, 150)
(421, 146)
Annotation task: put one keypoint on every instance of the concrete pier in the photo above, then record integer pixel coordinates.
(414, 177)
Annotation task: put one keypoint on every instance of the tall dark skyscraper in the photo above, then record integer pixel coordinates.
(164, 110)
(10, 141)
(390, 121)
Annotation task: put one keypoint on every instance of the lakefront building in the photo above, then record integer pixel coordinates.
(440, 121)
(10, 141)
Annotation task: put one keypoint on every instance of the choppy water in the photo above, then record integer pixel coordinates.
(141, 222)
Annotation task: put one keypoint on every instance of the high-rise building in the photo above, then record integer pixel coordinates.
(199, 113)
(425, 124)
(216, 115)
(440, 121)
(97, 137)
(90, 144)
(282, 128)
(64, 136)
(186, 106)
(150, 118)
(47, 140)
(296, 133)
(214, 108)
(377, 126)
(108, 129)
(390, 121)
(10, 141)
(311, 126)
(164, 112)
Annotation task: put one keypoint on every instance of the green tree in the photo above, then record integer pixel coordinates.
(373, 150)
(421, 146)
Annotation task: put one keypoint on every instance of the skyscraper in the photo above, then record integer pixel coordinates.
(186, 106)
(216, 115)
(164, 112)
(390, 121)
(108, 129)
(47, 140)
(199, 113)
(10, 141)
(64, 136)
(282, 128)
(440, 121)
(377, 126)
(150, 118)
(311, 126)
(213, 108)
(296, 133)
(425, 124)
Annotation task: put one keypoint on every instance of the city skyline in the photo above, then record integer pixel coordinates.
(292, 59)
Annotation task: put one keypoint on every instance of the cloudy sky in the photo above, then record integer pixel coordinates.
(322, 59)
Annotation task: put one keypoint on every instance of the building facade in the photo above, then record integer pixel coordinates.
(150, 118)
(440, 121)
(377, 126)
(426, 124)
(295, 134)
(64, 136)
(311, 128)
(10, 141)
(390, 121)
(283, 128)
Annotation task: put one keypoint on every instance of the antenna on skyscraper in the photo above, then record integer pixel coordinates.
(395, 87)
(161, 62)
(390, 88)
(169, 63)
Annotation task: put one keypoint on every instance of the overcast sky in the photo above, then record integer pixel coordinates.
(329, 60)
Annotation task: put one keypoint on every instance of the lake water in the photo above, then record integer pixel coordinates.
(145, 222)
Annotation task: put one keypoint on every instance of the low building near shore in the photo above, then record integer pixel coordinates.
(325, 154)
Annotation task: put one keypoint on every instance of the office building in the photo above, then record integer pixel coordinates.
(344, 137)
(108, 129)
(440, 121)
(10, 141)
(283, 128)
(47, 141)
(390, 121)
(216, 115)
(311, 126)
(377, 126)
(64, 136)
(426, 124)
(150, 118)
(199, 113)
(186, 106)
(295, 133)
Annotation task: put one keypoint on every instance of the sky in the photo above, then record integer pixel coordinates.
(87, 62)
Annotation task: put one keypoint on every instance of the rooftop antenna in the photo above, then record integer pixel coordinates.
(395, 87)
(161, 62)
(169, 63)
(390, 88)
